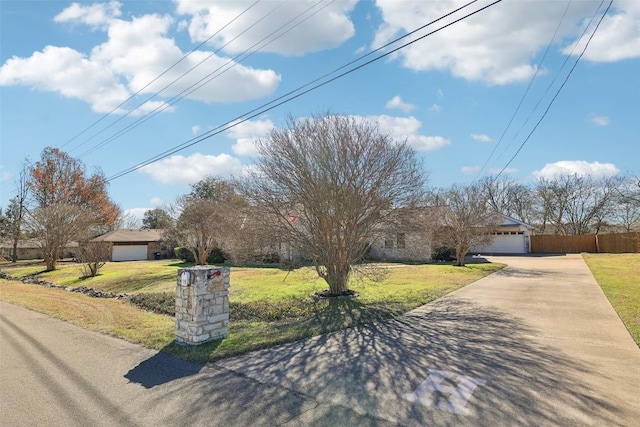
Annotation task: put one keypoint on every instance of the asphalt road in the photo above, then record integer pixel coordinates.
(535, 344)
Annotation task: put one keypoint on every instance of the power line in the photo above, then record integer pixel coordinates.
(265, 107)
(524, 95)
(155, 79)
(231, 63)
(558, 91)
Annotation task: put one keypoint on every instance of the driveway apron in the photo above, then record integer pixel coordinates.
(535, 344)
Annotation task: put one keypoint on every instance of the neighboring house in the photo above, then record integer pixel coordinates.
(133, 245)
(412, 241)
(511, 237)
(30, 249)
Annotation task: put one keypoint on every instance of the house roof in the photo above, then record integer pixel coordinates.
(125, 235)
(30, 244)
(512, 221)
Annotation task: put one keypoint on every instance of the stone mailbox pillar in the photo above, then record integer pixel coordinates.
(202, 304)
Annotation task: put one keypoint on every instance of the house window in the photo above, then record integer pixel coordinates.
(388, 243)
(400, 241)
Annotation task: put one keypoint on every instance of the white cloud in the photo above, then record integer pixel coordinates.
(618, 36)
(476, 48)
(578, 167)
(600, 120)
(436, 108)
(481, 137)
(468, 170)
(136, 214)
(246, 133)
(188, 170)
(156, 201)
(397, 102)
(401, 128)
(505, 171)
(137, 52)
(440, 94)
(195, 129)
(94, 15)
(320, 25)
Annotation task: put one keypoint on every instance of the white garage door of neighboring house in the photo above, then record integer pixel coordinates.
(129, 252)
(505, 244)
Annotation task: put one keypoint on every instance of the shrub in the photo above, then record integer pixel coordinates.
(157, 302)
(217, 255)
(444, 253)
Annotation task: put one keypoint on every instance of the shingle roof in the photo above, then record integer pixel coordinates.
(125, 235)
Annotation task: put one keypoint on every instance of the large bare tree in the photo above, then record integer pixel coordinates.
(468, 219)
(329, 185)
(69, 204)
(575, 204)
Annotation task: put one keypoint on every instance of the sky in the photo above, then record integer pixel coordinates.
(509, 90)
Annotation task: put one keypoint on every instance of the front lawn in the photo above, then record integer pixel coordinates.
(618, 276)
(268, 305)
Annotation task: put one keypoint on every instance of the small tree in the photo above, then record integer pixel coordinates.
(207, 218)
(468, 219)
(93, 256)
(156, 219)
(15, 212)
(328, 186)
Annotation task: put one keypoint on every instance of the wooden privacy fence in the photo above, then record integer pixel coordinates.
(592, 243)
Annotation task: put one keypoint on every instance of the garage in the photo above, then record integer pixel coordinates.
(129, 252)
(133, 245)
(505, 243)
(512, 237)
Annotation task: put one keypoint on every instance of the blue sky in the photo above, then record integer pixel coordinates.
(452, 95)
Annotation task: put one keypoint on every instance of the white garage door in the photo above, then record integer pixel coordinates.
(129, 252)
(505, 244)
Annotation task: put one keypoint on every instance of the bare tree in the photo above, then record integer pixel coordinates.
(16, 211)
(330, 185)
(575, 204)
(468, 220)
(626, 210)
(93, 256)
(510, 198)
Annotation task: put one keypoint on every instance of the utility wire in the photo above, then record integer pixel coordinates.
(526, 92)
(155, 79)
(231, 63)
(260, 110)
(558, 91)
(555, 78)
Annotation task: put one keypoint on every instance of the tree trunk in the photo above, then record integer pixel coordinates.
(14, 251)
(460, 254)
(337, 278)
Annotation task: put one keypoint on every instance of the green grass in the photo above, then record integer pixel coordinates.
(617, 275)
(268, 306)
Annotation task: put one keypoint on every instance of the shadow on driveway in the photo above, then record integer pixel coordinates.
(370, 368)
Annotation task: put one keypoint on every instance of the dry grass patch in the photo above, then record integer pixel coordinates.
(108, 316)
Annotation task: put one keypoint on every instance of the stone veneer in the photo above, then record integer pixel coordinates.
(202, 304)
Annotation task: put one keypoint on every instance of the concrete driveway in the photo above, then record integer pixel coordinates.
(535, 344)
